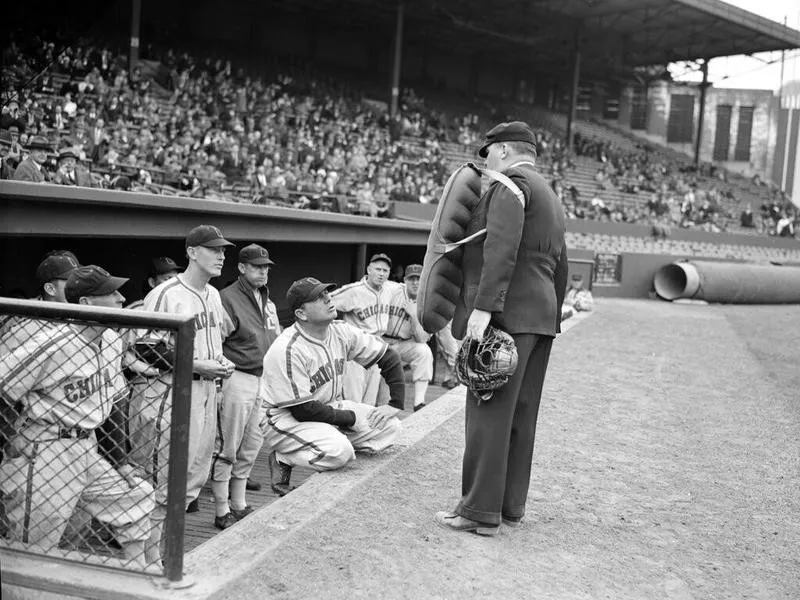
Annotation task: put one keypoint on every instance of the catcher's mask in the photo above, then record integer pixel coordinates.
(486, 365)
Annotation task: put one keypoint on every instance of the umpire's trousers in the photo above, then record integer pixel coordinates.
(499, 438)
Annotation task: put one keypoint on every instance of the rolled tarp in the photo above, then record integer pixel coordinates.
(729, 282)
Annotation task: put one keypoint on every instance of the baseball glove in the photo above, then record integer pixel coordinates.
(487, 364)
(156, 354)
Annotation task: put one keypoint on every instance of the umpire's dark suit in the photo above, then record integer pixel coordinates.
(519, 274)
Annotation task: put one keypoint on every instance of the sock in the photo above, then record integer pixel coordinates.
(238, 488)
(220, 490)
(420, 387)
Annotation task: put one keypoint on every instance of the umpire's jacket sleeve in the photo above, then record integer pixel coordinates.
(505, 218)
(560, 282)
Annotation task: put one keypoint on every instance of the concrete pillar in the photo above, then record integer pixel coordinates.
(398, 55)
(359, 262)
(136, 18)
(699, 138)
(573, 96)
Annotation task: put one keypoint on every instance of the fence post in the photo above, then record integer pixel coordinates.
(178, 452)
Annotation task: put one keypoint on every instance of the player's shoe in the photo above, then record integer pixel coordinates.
(449, 384)
(455, 522)
(253, 486)
(194, 506)
(420, 406)
(226, 521)
(241, 514)
(279, 476)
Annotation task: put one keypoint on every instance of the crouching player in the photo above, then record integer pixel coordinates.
(306, 421)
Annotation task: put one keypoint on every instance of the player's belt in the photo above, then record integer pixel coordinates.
(198, 377)
(74, 433)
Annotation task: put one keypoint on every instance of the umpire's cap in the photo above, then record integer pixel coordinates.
(305, 290)
(208, 236)
(514, 131)
(91, 280)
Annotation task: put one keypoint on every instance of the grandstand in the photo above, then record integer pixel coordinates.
(272, 121)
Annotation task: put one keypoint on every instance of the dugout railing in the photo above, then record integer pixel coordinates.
(94, 401)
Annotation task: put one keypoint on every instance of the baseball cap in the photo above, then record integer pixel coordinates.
(164, 264)
(91, 280)
(255, 255)
(206, 235)
(383, 257)
(56, 266)
(514, 131)
(305, 290)
(413, 271)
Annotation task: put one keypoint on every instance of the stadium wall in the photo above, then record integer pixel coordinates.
(764, 130)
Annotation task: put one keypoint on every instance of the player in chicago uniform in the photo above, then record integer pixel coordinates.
(151, 401)
(365, 304)
(68, 379)
(307, 422)
(405, 334)
(250, 325)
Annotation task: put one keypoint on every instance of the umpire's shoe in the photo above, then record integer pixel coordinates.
(279, 476)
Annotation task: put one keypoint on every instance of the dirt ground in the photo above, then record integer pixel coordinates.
(666, 466)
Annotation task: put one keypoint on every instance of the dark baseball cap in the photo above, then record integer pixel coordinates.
(413, 271)
(206, 235)
(164, 264)
(56, 266)
(514, 131)
(305, 290)
(91, 280)
(383, 257)
(254, 255)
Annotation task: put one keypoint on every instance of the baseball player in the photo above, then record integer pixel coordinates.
(151, 403)
(161, 269)
(249, 327)
(68, 379)
(365, 304)
(577, 298)
(307, 422)
(405, 334)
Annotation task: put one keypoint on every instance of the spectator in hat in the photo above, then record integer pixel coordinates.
(69, 173)
(7, 166)
(32, 168)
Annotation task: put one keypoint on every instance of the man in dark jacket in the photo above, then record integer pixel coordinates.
(32, 168)
(516, 280)
(249, 327)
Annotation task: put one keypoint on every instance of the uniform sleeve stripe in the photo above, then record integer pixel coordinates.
(295, 391)
(34, 357)
(161, 296)
(378, 357)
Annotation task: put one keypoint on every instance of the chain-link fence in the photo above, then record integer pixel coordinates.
(94, 422)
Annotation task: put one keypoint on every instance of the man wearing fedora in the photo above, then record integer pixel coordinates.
(7, 164)
(516, 281)
(69, 173)
(32, 168)
(249, 326)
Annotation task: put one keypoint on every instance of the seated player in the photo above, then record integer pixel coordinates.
(306, 421)
(577, 299)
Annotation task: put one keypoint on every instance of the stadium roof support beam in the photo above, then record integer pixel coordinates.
(573, 93)
(398, 58)
(703, 87)
(136, 18)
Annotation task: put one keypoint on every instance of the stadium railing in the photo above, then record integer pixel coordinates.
(94, 416)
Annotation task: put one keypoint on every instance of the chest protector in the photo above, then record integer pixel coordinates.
(441, 280)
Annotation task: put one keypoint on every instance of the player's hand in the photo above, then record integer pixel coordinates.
(131, 473)
(380, 416)
(477, 324)
(229, 366)
(211, 369)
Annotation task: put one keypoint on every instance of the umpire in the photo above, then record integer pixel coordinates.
(250, 325)
(516, 280)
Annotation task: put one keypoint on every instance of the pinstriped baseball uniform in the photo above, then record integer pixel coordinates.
(64, 382)
(298, 369)
(405, 334)
(368, 309)
(151, 400)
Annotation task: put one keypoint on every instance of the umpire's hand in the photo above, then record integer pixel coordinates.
(381, 415)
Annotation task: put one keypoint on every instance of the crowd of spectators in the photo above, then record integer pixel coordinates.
(210, 130)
